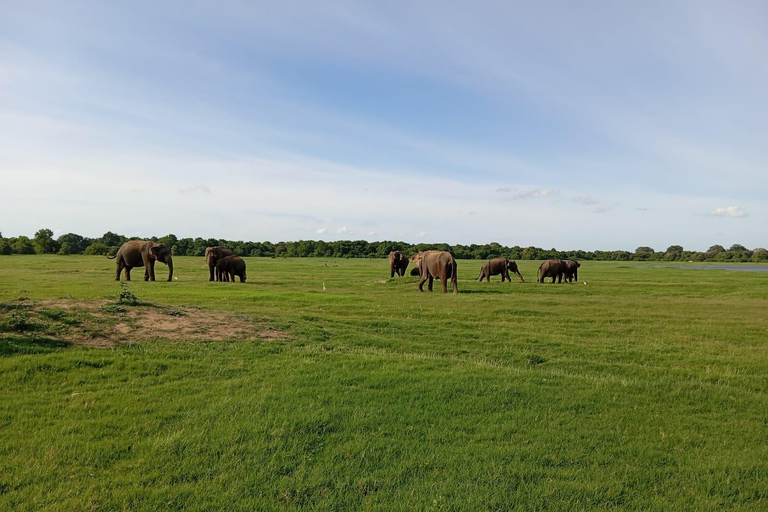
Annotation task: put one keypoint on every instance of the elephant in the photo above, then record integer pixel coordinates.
(415, 271)
(501, 266)
(397, 264)
(142, 253)
(229, 267)
(551, 268)
(214, 254)
(437, 265)
(571, 270)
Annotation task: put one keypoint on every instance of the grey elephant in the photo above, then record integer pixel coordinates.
(229, 267)
(397, 264)
(415, 271)
(571, 271)
(437, 265)
(551, 268)
(497, 266)
(212, 256)
(142, 253)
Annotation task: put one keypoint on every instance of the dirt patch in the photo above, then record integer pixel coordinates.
(105, 324)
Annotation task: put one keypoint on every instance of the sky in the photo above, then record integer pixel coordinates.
(573, 125)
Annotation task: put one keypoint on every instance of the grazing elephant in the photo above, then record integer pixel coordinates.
(142, 253)
(437, 265)
(229, 267)
(397, 264)
(571, 270)
(214, 254)
(551, 268)
(501, 266)
(416, 271)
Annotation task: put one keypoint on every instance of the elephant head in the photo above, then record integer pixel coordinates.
(512, 267)
(161, 253)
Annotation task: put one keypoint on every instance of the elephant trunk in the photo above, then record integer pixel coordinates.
(520, 276)
(169, 262)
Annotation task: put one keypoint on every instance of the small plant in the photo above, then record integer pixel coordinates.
(112, 308)
(20, 321)
(534, 359)
(127, 296)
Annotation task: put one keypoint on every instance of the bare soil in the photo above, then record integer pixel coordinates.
(106, 324)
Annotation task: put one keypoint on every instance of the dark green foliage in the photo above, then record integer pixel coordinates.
(127, 297)
(44, 242)
(110, 242)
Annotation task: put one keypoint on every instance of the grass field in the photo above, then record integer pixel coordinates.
(644, 389)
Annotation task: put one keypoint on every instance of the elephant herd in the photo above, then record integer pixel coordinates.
(224, 265)
(441, 265)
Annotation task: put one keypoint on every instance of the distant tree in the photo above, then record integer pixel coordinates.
(169, 241)
(44, 242)
(22, 245)
(65, 250)
(643, 254)
(76, 243)
(97, 248)
(5, 247)
(674, 253)
(109, 239)
(759, 254)
(737, 247)
(716, 249)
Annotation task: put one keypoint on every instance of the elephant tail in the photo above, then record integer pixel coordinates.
(111, 257)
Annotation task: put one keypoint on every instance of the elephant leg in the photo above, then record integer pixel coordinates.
(128, 273)
(431, 280)
(210, 269)
(422, 278)
(576, 275)
(391, 271)
(444, 281)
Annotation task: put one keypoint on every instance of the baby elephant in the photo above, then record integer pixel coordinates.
(501, 266)
(229, 267)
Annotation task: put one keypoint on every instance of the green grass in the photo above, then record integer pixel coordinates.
(644, 389)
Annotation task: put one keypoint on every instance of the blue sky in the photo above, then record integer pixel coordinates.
(594, 125)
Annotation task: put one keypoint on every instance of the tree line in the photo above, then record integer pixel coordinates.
(71, 243)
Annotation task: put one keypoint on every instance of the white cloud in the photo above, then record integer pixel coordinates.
(344, 231)
(421, 234)
(504, 189)
(728, 211)
(322, 231)
(373, 233)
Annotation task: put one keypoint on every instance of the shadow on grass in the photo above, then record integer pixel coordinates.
(480, 291)
(12, 345)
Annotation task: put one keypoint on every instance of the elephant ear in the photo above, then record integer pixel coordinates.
(153, 253)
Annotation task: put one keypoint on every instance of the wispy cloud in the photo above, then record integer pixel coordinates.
(586, 200)
(344, 231)
(530, 194)
(322, 231)
(203, 189)
(728, 211)
(421, 234)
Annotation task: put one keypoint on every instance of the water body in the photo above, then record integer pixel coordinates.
(716, 267)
